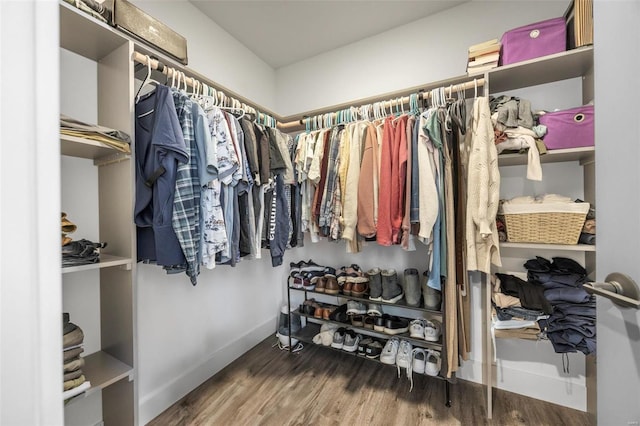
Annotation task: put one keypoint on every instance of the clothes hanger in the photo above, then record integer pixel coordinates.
(147, 79)
(475, 88)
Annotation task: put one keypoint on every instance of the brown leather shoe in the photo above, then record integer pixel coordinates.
(346, 288)
(326, 312)
(320, 284)
(331, 285)
(359, 289)
(318, 313)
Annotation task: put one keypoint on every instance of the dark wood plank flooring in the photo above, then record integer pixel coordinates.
(319, 386)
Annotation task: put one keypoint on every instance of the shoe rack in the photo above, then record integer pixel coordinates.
(311, 325)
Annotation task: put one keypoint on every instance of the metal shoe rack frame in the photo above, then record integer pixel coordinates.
(311, 328)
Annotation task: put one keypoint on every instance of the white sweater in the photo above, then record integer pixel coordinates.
(483, 191)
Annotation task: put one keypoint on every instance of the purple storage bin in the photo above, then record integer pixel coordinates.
(570, 128)
(534, 40)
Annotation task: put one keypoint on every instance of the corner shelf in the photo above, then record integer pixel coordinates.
(74, 146)
(584, 155)
(85, 35)
(547, 69)
(536, 246)
(106, 261)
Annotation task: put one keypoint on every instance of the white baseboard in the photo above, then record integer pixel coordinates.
(156, 402)
(557, 390)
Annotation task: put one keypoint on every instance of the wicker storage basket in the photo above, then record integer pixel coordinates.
(547, 223)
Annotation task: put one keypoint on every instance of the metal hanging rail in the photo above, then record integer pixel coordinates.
(296, 122)
(198, 84)
(386, 101)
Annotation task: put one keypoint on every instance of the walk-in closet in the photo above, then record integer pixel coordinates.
(319, 212)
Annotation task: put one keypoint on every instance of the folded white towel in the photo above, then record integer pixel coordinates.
(554, 198)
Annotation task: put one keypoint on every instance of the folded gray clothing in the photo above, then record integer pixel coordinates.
(73, 364)
(73, 374)
(567, 294)
(68, 328)
(587, 238)
(70, 354)
(81, 248)
(73, 338)
(67, 122)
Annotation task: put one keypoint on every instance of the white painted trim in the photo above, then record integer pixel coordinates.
(571, 392)
(30, 282)
(151, 405)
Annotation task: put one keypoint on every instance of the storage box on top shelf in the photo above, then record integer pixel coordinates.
(158, 35)
(534, 40)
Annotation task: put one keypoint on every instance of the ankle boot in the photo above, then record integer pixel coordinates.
(412, 292)
(432, 297)
(375, 284)
(391, 290)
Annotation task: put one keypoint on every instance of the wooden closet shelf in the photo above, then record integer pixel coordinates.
(536, 246)
(102, 370)
(547, 69)
(584, 155)
(106, 261)
(85, 35)
(74, 146)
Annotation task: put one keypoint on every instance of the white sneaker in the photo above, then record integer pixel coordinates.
(419, 360)
(432, 330)
(403, 359)
(432, 366)
(374, 309)
(356, 308)
(416, 328)
(390, 351)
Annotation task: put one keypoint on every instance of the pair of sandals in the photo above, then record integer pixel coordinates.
(67, 227)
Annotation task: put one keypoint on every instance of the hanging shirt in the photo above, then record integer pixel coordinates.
(159, 149)
(186, 202)
(384, 234)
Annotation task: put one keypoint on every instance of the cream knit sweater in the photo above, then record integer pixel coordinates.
(483, 191)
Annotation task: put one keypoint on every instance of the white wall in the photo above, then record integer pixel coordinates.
(617, 55)
(214, 53)
(427, 50)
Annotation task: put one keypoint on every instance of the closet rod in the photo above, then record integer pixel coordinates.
(388, 103)
(193, 82)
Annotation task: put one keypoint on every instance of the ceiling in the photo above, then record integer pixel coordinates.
(285, 32)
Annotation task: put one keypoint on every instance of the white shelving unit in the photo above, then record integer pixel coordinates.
(539, 71)
(112, 368)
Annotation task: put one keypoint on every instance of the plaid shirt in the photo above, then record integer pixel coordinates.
(186, 202)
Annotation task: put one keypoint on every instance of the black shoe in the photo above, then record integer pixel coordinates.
(396, 325)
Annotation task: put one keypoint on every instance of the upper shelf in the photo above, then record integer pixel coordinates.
(553, 247)
(74, 146)
(547, 69)
(106, 261)
(583, 155)
(86, 36)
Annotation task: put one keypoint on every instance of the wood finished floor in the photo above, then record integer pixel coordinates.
(319, 386)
